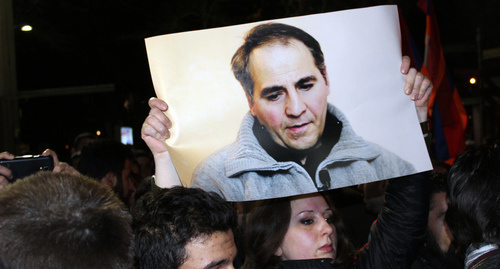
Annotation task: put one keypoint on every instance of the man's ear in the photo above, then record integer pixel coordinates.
(250, 103)
(279, 252)
(109, 180)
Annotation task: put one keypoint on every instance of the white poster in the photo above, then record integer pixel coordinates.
(191, 71)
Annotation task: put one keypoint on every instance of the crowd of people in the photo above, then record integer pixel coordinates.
(106, 209)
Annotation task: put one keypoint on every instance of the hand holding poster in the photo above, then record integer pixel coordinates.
(322, 107)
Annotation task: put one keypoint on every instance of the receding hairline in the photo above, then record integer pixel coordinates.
(287, 41)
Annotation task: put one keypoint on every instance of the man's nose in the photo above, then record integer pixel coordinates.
(295, 105)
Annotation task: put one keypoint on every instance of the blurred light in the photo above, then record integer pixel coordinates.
(98, 133)
(66, 146)
(26, 28)
(472, 80)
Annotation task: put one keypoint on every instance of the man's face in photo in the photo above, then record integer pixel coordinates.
(290, 94)
(216, 251)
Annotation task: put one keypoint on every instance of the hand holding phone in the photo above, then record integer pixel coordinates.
(5, 173)
(22, 166)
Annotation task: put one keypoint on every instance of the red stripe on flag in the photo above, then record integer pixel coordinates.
(445, 96)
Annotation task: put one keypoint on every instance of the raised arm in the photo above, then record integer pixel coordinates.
(402, 223)
(154, 132)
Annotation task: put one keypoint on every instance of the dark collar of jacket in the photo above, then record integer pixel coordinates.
(248, 155)
(331, 135)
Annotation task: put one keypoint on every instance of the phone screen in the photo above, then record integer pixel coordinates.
(126, 135)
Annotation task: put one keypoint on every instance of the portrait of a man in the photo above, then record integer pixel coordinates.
(292, 141)
(286, 107)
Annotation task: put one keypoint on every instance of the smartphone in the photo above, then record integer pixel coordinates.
(22, 166)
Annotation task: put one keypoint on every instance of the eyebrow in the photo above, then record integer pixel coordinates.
(272, 89)
(216, 263)
(305, 211)
(305, 80)
(309, 211)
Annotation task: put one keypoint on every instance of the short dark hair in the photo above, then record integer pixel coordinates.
(58, 220)
(437, 185)
(473, 214)
(265, 229)
(166, 220)
(269, 33)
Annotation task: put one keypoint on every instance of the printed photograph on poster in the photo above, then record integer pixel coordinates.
(289, 106)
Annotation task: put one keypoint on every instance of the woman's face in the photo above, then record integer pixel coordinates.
(311, 234)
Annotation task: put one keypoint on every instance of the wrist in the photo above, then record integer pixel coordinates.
(162, 156)
(425, 128)
(422, 114)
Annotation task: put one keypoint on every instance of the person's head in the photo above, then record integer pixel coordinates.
(293, 228)
(110, 162)
(58, 220)
(79, 142)
(282, 70)
(183, 228)
(82, 140)
(473, 182)
(145, 161)
(438, 236)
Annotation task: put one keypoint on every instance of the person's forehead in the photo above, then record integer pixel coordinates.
(205, 250)
(314, 202)
(276, 53)
(284, 46)
(269, 64)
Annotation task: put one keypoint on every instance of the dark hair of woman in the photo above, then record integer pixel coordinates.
(473, 201)
(265, 229)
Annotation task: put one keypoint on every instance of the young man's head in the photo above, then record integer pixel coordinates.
(110, 162)
(57, 220)
(282, 70)
(79, 142)
(183, 228)
(473, 197)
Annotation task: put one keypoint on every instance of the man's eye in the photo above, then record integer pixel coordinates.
(307, 221)
(273, 97)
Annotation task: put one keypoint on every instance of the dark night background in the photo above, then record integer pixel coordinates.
(87, 43)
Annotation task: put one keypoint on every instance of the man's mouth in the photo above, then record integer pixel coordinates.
(298, 128)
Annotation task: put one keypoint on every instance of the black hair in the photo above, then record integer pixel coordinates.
(58, 220)
(166, 220)
(266, 226)
(437, 185)
(269, 33)
(473, 214)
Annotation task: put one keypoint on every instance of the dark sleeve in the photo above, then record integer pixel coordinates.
(401, 225)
